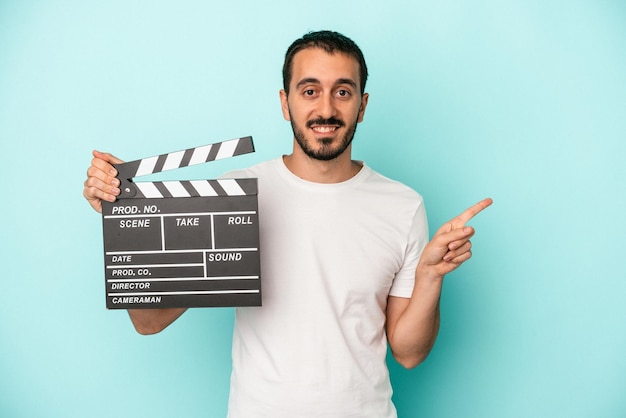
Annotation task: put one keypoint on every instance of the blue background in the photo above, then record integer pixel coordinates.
(523, 101)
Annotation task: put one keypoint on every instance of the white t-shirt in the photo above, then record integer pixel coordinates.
(331, 254)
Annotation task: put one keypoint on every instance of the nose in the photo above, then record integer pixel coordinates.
(326, 108)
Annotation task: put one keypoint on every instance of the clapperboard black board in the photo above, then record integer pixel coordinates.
(182, 243)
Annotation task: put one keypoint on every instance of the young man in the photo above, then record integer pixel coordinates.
(346, 263)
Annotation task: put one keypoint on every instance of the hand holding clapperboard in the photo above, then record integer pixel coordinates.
(182, 243)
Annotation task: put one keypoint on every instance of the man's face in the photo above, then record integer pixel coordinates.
(324, 102)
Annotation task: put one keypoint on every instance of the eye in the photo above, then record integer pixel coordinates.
(343, 93)
(309, 92)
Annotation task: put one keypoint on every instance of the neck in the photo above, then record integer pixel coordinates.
(336, 170)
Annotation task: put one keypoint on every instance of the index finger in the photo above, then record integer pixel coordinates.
(105, 156)
(470, 212)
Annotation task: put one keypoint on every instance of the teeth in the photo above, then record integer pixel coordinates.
(324, 129)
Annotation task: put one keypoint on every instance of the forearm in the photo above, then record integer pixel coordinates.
(152, 321)
(414, 332)
(413, 324)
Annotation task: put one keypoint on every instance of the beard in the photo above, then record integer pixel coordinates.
(326, 151)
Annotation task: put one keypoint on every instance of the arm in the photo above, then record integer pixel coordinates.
(102, 184)
(152, 321)
(413, 323)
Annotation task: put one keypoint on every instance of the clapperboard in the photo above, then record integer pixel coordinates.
(182, 243)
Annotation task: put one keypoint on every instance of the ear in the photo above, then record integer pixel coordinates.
(364, 98)
(284, 104)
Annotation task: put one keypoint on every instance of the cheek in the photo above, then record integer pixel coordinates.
(296, 113)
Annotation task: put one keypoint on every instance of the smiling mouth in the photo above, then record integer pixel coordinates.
(325, 126)
(324, 129)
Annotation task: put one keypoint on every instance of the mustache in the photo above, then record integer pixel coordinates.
(322, 121)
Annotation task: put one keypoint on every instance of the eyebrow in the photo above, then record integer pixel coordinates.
(347, 81)
(312, 80)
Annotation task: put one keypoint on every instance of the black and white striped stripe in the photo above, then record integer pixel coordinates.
(192, 156)
(196, 188)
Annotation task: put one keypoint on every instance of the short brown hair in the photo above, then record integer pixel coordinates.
(330, 42)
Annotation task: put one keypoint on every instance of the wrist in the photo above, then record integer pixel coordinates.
(427, 288)
(427, 274)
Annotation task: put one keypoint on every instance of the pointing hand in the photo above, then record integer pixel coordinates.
(451, 246)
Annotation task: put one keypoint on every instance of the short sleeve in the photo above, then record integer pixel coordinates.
(404, 280)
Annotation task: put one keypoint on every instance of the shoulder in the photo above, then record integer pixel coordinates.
(386, 186)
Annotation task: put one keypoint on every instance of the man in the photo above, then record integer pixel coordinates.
(346, 263)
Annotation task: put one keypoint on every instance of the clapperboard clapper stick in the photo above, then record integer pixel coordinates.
(187, 243)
